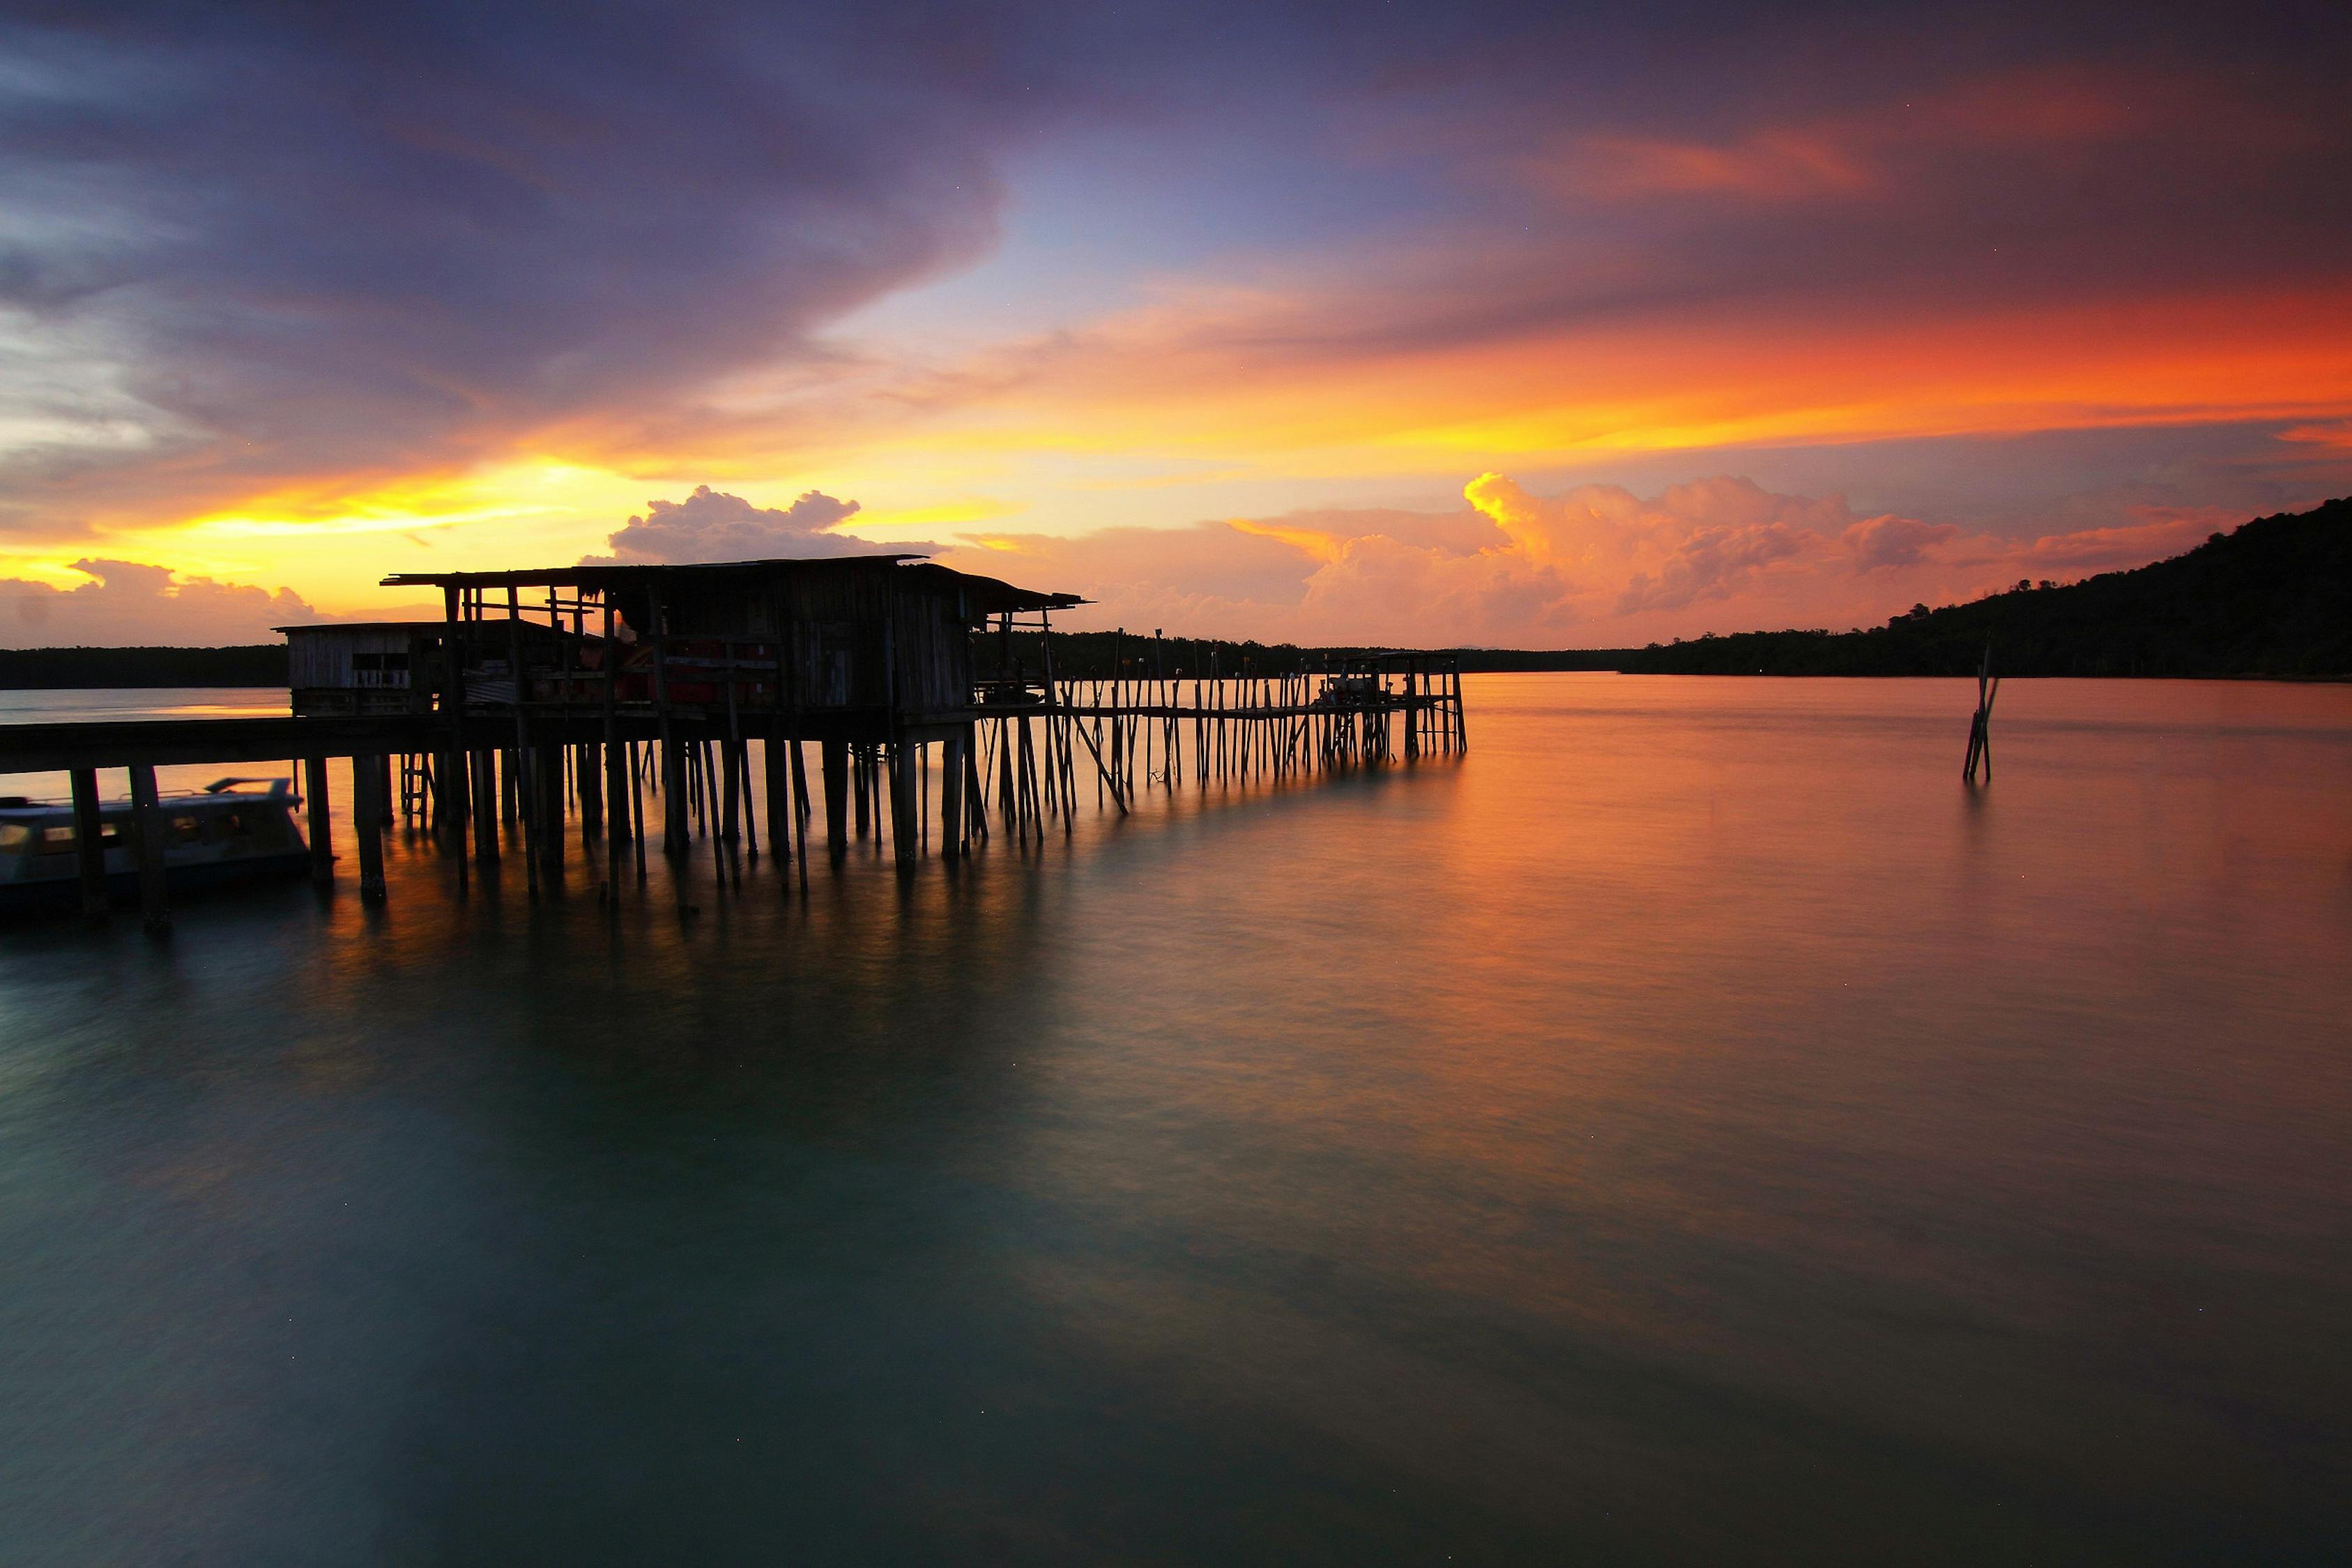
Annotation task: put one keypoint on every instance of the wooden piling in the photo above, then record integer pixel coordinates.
(547, 828)
(833, 758)
(903, 847)
(323, 818)
(590, 788)
(486, 819)
(776, 773)
(952, 811)
(148, 826)
(90, 841)
(367, 823)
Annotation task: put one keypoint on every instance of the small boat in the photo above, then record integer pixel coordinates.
(225, 834)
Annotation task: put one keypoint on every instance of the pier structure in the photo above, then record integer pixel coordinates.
(599, 698)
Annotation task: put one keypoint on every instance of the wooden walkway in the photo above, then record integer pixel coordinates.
(1015, 762)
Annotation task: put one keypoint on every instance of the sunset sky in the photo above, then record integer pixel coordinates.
(1542, 326)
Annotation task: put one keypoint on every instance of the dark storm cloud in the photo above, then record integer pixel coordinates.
(371, 235)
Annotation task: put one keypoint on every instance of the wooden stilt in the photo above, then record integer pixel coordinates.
(547, 835)
(322, 817)
(486, 819)
(903, 847)
(800, 810)
(90, 841)
(636, 813)
(589, 787)
(833, 761)
(367, 823)
(730, 789)
(777, 775)
(148, 826)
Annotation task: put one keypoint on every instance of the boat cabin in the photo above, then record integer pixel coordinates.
(232, 830)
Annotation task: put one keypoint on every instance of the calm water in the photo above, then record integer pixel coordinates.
(1693, 1128)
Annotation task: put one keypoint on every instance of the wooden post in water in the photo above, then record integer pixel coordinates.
(367, 823)
(951, 810)
(147, 821)
(1981, 726)
(731, 787)
(90, 841)
(547, 826)
(832, 762)
(903, 848)
(486, 819)
(589, 787)
(777, 773)
(323, 841)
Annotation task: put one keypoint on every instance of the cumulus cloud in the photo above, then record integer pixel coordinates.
(709, 526)
(132, 604)
(1885, 542)
(1712, 563)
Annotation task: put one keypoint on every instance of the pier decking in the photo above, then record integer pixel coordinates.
(567, 697)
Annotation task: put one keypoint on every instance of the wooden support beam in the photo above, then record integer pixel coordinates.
(90, 841)
(677, 830)
(547, 824)
(148, 826)
(952, 770)
(486, 819)
(589, 783)
(833, 762)
(731, 788)
(903, 847)
(367, 823)
(776, 771)
(321, 809)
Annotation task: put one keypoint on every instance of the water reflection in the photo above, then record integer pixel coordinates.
(1694, 1125)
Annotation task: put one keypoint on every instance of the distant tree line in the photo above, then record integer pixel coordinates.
(23, 669)
(1101, 655)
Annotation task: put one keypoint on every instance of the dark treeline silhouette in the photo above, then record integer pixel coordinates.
(23, 669)
(1100, 655)
(2272, 597)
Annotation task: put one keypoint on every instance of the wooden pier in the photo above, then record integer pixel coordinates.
(569, 700)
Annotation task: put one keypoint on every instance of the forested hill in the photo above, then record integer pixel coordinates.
(2272, 597)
